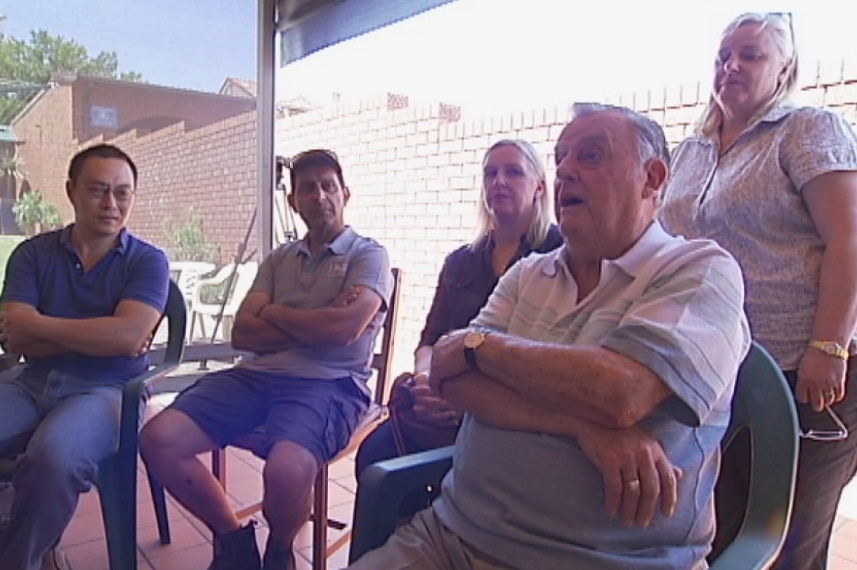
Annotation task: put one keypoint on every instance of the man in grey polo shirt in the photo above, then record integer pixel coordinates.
(311, 319)
(596, 381)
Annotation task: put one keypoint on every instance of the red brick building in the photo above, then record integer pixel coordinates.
(78, 110)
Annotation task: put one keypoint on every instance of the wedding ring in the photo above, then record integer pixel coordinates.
(634, 484)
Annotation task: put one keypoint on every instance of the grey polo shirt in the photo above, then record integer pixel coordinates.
(293, 276)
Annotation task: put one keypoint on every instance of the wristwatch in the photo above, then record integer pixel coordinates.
(830, 347)
(472, 341)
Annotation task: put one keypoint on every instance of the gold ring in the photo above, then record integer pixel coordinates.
(832, 394)
(634, 484)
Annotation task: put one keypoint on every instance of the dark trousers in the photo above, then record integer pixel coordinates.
(381, 445)
(824, 468)
(378, 446)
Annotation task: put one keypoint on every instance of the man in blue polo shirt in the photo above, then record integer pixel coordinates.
(311, 318)
(80, 305)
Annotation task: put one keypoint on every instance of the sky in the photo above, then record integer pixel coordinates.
(194, 44)
(485, 55)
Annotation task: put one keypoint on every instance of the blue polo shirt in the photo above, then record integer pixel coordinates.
(46, 272)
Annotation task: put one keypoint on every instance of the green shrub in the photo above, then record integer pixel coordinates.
(186, 240)
(33, 214)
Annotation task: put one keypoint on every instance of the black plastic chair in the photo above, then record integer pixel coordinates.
(762, 404)
(117, 474)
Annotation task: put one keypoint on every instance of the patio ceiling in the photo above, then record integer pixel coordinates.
(307, 26)
(304, 27)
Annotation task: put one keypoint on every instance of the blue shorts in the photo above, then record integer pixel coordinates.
(319, 415)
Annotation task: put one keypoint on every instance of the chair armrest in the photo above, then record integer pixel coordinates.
(382, 489)
(133, 396)
(219, 278)
(136, 389)
(747, 550)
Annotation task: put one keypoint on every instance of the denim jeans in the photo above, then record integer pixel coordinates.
(63, 426)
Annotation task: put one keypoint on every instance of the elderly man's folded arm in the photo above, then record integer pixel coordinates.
(499, 406)
(335, 325)
(589, 382)
(121, 334)
(611, 451)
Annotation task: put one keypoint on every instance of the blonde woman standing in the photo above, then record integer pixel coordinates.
(776, 185)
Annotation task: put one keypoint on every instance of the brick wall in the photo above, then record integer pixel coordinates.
(57, 124)
(209, 172)
(413, 169)
(48, 144)
(147, 107)
(414, 172)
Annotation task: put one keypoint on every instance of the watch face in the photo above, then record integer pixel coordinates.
(473, 339)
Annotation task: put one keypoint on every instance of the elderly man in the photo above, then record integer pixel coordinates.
(596, 381)
(311, 317)
(80, 304)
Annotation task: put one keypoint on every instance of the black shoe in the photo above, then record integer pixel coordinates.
(237, 550)
(278, 557)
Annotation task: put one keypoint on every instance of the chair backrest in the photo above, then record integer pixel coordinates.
(382, 359)
(175, 314)
(163, 362)
(764, 405)
(242, 277)
(187, 273)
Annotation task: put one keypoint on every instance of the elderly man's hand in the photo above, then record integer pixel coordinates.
(431, 408)
(447, 358)
(637, 474)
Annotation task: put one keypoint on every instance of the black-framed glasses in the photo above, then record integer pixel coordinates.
(827, 435)
(120, 193)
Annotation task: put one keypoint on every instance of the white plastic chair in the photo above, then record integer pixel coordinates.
(187, 273)
(202, 309)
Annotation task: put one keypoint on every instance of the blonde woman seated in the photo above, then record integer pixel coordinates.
(514, 221)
